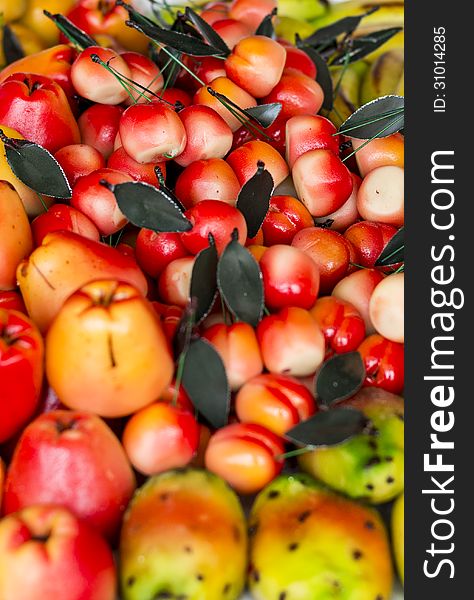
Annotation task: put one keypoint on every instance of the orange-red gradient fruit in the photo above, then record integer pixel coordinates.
(322, 181)
(225, 86)
(16, 241)
(211, 179)
(291, 342)
(245, 455)
(238, 347)
(94, 82)
(244, 159)
(106, 351)
(256, 65)
(342, 325)
(277, 402)
(160, 437)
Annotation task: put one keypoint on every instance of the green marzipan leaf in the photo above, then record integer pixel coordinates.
(132, 12)
(328, 428)
(12, 48)
(266, 26)
(265, 114)
(204, 281)
(379, 118)
(363, 46)
(208, 33)
(205, 381)
(240, 283)
(74, 34)
(340, 378)
(37, 168)
(323, 76)
(146, 206)
(328, 34)
(394, 251)
(254, 199)
(181, 42)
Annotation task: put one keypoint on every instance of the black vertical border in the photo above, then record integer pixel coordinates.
(427, 132)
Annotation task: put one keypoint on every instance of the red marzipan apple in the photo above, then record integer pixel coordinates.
(46, 553)
(74, 460)
(21, 371)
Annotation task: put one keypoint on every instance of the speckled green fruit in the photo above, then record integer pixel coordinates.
(309, 543)
(369, 466)
(398, 535)
(183, 538)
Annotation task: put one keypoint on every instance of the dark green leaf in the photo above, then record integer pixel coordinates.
(36, 168)
(266, 26)
(240, 283)
(327, 34)
(328, 428)
(394, 251)
(78, 37)
(379, 118)
(208, 33)
(265, 114)
(146, 206)
(323, 76)
(134, 14)
(340, 378)
(254, 199)
(204, 281)
(181, 42)
(205, 381)
(362, 46)
(12, 48)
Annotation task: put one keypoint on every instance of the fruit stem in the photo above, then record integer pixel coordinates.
(180, 62)
(228, 104)
(43, 203)
(96, 59)
(179, 378)
(292, 453)
(380, 117)
(237, 111)
(182, 357)
(343, 72)
(373, 138)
